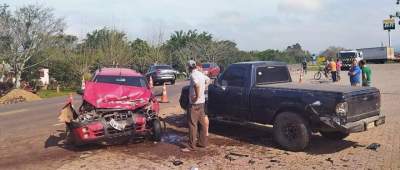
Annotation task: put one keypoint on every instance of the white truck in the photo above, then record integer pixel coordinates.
(347, 57)
(378, 54)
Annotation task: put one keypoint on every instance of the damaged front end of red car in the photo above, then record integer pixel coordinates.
(110, 112)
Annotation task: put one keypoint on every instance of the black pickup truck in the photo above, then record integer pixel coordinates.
(262, 92)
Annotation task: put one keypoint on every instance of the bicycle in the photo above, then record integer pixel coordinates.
(324, 71)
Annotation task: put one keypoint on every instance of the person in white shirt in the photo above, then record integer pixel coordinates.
(196, 114)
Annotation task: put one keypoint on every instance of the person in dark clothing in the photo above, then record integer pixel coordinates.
(304, 65)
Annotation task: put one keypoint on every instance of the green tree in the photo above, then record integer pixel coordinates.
(297, 53)
(29, 30)
(182, 46)
(110, 46)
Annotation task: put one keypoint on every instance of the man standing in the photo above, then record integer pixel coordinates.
(304, 64)
(196, 114)
(366, 74)
(354, 73)
(332, 66)
(338, 68)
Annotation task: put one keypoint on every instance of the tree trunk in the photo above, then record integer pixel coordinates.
(17, 83)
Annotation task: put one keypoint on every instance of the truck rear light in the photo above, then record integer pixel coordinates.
(85, 136)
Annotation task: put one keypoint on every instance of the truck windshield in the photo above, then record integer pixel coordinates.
(272, 74)
(122, 80)
(347, 55)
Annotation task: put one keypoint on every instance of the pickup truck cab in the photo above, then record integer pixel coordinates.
(263, 92)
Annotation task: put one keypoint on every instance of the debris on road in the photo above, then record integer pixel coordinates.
(17, 96)
(231, 156)
(177, 162)
(238, 154)
(85, 154)
(251, 161)
(344, 159)
(274, 160)
(358, 145)
(194, 168)
(329, 160)
(374, 146)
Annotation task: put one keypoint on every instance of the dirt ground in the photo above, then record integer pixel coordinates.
(238, 147)
(18, 95)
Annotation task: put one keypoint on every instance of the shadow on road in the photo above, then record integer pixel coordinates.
(261, 136)
(264, 137)
(59, 140)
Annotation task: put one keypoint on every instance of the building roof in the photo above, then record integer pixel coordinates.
(117, 72)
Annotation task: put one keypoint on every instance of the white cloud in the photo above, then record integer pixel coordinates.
(296, 6)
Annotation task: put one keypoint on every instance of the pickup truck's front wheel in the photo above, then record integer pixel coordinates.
(291, 131)
(334, 135)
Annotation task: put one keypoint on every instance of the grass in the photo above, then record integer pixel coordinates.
(53, 93)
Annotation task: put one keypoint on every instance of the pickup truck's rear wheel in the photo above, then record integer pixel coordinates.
(335, 135)
(291, 131)
(156, 130)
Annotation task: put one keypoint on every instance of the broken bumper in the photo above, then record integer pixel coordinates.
(99, 131)
(364, 124)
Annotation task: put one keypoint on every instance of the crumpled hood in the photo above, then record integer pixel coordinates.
(114, 96)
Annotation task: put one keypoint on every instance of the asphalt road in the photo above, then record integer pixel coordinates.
(32, 138)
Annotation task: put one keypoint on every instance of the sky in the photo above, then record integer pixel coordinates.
(252, 24)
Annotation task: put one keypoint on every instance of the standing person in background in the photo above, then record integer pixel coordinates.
(366, 74)
(196, 115)
(332, 66)
(354, 73)
(304, 64)
(338, 69)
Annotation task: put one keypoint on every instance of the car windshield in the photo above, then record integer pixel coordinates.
(122, 80)
(163, 67)
(207, 65)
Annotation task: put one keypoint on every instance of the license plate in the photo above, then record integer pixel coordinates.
(117, 125)
(370, 125)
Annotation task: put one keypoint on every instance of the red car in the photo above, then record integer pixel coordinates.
(117, 104)
(212, 70)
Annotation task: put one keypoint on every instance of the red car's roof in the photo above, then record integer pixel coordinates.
(117, 72)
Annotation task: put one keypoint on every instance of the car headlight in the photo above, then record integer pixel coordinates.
(342, 109)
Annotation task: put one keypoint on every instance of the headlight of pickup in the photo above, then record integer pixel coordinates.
(342, 108)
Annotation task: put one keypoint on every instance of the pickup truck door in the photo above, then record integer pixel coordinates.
(229, 96)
